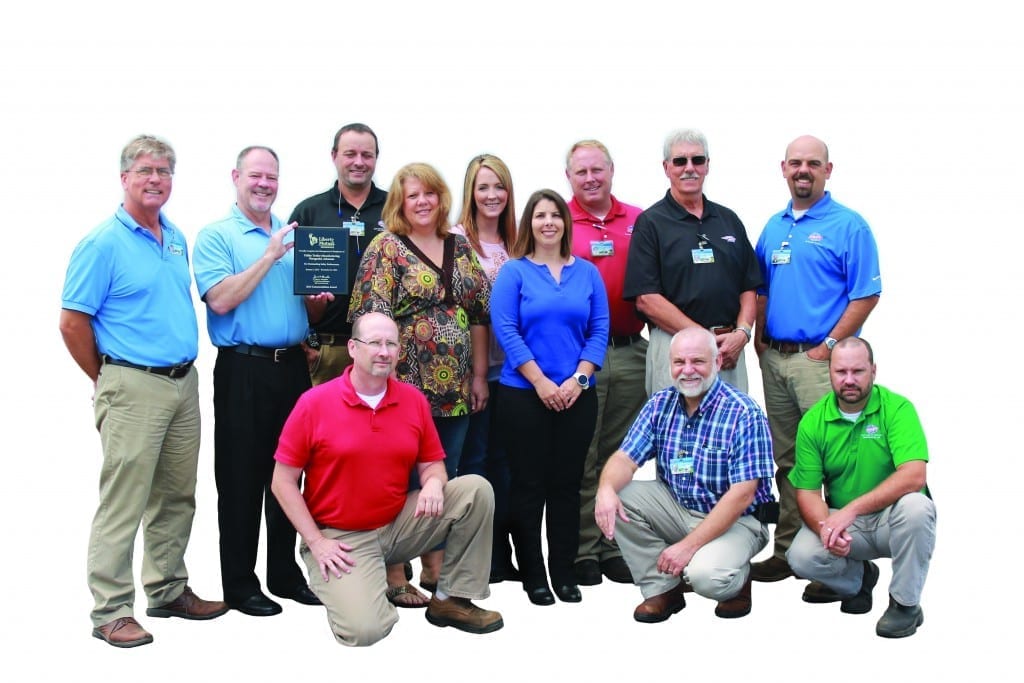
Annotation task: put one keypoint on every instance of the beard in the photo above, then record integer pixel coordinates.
(690, 391)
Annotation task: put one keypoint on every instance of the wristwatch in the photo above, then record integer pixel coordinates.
(582, 379)
(830, 342)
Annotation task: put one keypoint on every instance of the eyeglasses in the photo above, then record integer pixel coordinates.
(378, 344)
(163, 172)
(699, 160)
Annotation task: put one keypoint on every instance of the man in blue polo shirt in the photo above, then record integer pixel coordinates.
(821, 280)
(244, 272)
(146, 396)
(696, 526)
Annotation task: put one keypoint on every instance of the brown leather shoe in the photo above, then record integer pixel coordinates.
(462, 614)
(772, 569)
(736, 606)
(123, 632)
(188, 605)
(661, 607)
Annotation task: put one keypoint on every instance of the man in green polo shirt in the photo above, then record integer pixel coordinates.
(865, 446)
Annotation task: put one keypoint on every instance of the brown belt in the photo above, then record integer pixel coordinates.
(722, 329)
(789, 347)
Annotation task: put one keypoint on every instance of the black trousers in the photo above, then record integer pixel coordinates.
(546, 452)
(252, 398)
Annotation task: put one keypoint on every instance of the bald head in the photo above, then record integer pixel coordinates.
(375, 321)
(694, 362)
(806, 168)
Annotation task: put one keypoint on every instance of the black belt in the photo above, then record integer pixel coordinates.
(624, 340)
(276, 355)
(789, 347)
(326, 338)
(172, 371)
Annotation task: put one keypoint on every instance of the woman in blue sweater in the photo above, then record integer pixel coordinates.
(549, 312)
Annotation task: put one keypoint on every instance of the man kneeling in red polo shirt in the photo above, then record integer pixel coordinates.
(357, 439)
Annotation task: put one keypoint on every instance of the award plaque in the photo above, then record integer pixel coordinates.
(321, 260)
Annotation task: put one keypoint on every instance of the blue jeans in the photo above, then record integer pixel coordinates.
(452, 431)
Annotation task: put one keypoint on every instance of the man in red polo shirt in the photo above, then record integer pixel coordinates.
(357, 439)
(602, 228)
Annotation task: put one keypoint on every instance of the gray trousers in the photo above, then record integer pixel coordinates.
(717, 571)
(904, 531)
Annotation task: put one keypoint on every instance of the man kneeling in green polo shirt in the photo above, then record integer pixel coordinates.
(865, 446)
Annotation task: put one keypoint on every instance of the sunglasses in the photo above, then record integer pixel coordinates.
(697, 160)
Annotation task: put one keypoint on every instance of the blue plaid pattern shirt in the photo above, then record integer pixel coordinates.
(726, 441)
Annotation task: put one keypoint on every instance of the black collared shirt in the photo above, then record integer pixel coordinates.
(661, 260)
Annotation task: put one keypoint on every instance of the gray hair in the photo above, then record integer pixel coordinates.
(691, 135)
(146, 144)
(252, 148)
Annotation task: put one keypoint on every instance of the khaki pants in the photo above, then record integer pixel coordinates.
(792, 384)
(357, 608)
(149, 427)
(331, 362)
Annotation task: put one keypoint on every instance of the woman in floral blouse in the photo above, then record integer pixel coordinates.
(429, 282)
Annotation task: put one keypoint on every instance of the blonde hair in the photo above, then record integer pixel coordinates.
(507, 220)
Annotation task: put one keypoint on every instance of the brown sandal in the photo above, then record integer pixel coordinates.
(395, 595)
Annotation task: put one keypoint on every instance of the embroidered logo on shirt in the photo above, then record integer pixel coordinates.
(729, 238)
(175, 249)
(872, 432)
(815, 237)
(629, 230)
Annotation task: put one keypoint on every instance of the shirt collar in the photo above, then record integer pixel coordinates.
(832, 413)
(578, 213)
(816, 210)
(247, 225)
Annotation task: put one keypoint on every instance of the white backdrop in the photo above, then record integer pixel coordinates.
(919, 107)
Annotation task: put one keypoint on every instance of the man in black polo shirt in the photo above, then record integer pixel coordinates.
(353, 202)
(690, 263)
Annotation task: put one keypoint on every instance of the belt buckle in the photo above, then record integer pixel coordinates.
(179, 370)
(277, 354)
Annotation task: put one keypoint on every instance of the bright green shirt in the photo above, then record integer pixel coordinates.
(852, 458)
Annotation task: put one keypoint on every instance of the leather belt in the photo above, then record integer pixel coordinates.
(328, 339)
(172, 371)
(722, 329)
(624, 340)
(276, 355)
(789, 347)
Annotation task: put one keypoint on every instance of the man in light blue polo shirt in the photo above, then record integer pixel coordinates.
(146, 396)
(244, 273)
(821, 280)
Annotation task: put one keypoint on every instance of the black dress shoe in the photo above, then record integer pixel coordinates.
(541, 595)
(303, 594)
(588, 572)
(509, 573)
(257, 605)
(568, 592)
(616, 569)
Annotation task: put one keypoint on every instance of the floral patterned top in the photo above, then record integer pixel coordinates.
(433, 306)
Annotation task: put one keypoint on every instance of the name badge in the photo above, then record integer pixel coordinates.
(175, 249)
(602, 248)
(355, 228)
(703, 255)
(781, 257)
(681, 465)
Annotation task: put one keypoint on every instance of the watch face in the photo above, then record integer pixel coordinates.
(582, 380)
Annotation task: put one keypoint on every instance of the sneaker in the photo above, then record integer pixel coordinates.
(899, 621)
(462, 614)
(861, 602)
